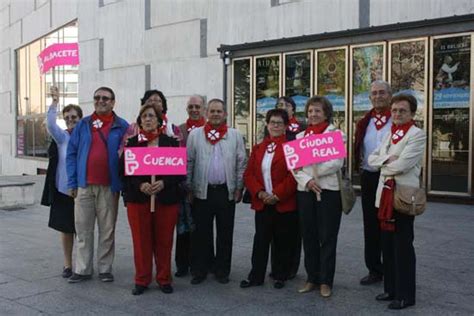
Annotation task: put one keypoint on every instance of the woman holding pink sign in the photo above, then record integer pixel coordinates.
(152, 230)
(319, 204)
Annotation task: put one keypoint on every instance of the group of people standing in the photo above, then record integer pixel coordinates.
(292, 207)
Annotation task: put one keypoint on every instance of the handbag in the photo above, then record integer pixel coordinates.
(348, 196)
(409, 200)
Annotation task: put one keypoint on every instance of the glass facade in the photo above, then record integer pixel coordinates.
(437, 70)
(33, 91)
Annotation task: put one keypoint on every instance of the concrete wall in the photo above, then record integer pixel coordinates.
(132, 45)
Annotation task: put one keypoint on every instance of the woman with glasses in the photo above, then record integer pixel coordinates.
(272, 189)
(294, 126)
(152, 232)
(55, 193)
(319, 203)
(399, 159)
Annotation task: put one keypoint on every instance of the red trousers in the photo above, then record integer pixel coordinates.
(152, 235)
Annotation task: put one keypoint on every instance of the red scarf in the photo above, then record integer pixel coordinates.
(99, 120)
(293, 125)
(399, 131)
(272, 143)
(214, 135)
(316, 129)
(380, 119)
(144, 136)
(385, 214)
(69, 130)
(192, 124)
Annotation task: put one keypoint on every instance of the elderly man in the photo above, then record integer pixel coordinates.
(370, 131)
(93, 180)
(216, 163)
(195, 108)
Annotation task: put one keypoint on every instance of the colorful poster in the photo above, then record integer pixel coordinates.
(58, 55)
(408, 73)
(298, 80)
(451, 72)
(267, 85)
(241, 97)
(332, 82)
(367, 66)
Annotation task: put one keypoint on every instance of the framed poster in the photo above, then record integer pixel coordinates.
(267, 89)
(242, 98)
(298, 81)
(331, 81)
(408, 72)
(451, 131)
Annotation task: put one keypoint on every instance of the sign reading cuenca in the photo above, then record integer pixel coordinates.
(58, 55)
(143, 161)
(314, 149)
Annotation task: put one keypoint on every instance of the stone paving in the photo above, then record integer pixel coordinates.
(31, 263)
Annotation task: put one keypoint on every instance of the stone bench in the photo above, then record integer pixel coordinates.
(16, 193)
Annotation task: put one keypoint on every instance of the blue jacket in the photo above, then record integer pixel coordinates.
(78, 153)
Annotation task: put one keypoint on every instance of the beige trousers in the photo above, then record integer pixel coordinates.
(95, 201)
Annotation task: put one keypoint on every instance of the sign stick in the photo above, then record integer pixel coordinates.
(152, 197)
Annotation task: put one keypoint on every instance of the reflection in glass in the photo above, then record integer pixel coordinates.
(332, 82)
(298, 81)
(267, 85)
(450, 114)
(241, 98)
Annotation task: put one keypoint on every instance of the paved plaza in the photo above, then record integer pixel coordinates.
(31, 264)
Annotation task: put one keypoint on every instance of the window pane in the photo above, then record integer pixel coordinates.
(298, 80)
(451, 101)
(241, 98)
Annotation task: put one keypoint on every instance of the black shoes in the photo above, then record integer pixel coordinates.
(197, 280)
(166, 288)
(106, 277)
(279, 284)
(139, 289)
(181, 273)
(76, 278)
(400, 304)
(371, 279)
(67, 273)
(247, 283)
(384, 297)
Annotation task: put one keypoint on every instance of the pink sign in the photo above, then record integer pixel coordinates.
(145, 161)
(313, 149)
(58, 55)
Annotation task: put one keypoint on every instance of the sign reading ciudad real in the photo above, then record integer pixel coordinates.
(142, 161)
(314, 149)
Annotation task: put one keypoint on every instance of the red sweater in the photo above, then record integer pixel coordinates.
(98, 160)
(284, 185)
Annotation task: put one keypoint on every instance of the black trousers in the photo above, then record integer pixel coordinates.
(183, 251)
(218, 206)
(320, 222)
(399, 259)
(372, 235)
(279, 229)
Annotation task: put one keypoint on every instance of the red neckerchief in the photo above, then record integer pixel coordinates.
(164, 124)
(69, 130)
(385, 214)
(293, 125)
(192, 124)
(214, 135)
(316, 129)
(271, 143)
(361, 128)
(99, 120)
(399, 131)
(144, 136)
(380, 119)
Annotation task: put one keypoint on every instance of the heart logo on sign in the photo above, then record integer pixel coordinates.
(130, 162)
(291, 157)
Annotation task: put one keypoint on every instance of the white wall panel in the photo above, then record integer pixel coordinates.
(64, 11)
(36, 24)
(20, 8)
(4, 16)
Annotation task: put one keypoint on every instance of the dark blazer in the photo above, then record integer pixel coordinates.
(50, 181)
(172, 192)
(284, 185)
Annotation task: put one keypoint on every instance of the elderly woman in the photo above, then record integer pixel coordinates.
(152, 232)
(399, 158)
(319, 204)
(55, 193)
(272, 189)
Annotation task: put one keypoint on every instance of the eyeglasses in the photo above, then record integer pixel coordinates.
(70, 117)
(102, 97)
(196, 106)
(401, 111)
(276, 123)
